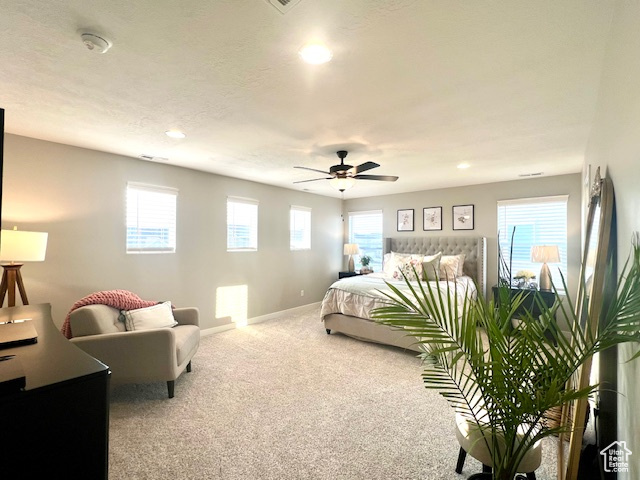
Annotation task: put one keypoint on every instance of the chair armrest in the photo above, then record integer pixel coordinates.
(187, 316)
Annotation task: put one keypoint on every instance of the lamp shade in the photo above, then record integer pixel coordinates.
(22, 246)
(545, 254)
(351, 249)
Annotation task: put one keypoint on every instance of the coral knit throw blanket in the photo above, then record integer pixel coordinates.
(120, 299)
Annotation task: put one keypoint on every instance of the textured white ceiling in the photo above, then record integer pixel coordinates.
(417, 86)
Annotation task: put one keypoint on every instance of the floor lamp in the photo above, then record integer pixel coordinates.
(17, 246)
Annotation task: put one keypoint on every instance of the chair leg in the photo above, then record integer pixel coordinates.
(462, 455)
(189, 367)
(170, 387)
(328, 331)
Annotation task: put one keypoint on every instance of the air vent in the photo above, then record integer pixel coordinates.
(151, 158)
(283, 6)
(537, 174)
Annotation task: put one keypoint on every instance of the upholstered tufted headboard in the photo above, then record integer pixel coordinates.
(474, 248)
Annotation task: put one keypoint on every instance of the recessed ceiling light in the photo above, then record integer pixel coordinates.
(175, 134)
(463, 165)
(315, 53)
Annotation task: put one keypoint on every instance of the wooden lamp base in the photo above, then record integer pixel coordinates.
(10, 277)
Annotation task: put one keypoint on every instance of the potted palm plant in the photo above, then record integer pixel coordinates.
(509, 382)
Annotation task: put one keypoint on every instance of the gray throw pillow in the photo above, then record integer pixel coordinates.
(431, 267)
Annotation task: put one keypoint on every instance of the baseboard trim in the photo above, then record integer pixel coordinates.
(262, 318)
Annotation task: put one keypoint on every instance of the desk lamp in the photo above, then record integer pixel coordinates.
(351, 249)
(545, 254)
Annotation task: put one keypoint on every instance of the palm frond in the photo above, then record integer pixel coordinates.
(511, 380)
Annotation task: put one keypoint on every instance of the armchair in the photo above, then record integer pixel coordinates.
(150, 355)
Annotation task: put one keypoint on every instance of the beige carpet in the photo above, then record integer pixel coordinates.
(284, 400)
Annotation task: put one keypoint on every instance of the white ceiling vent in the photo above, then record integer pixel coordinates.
(283, 6)
(151, 158)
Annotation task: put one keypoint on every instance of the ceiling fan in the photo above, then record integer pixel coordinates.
(344, 176)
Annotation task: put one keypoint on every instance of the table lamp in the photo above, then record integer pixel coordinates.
(19, 246)
(545, 254)
(351, 249)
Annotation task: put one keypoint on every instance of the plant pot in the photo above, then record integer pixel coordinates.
(489, 476)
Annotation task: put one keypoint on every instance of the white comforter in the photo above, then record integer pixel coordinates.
(358, 296)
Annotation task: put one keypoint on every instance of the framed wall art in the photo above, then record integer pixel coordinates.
(463, 217)
(432, 218)
(405, 220)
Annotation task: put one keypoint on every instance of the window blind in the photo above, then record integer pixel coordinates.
(151, 219)
(300, 228)
(537, 221)
(242, 224)
(365, 229)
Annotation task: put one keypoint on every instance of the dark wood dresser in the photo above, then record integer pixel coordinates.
(58, 425)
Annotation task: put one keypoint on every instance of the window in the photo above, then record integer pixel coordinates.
(151, 219)
(242, 225)
(537, 221)
(365, 229)
(300, 228)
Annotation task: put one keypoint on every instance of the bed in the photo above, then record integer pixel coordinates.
(348, 303)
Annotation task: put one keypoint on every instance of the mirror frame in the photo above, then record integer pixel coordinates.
(588, 308)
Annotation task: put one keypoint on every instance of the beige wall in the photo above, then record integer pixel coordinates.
(78, 196)
(614, 145)
(484, 197)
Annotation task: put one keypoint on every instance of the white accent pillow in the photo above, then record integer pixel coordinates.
(387, 267)
(451, 266)
(391, 261)
(156, 316)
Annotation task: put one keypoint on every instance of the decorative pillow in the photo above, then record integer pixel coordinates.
(387, 264)
(431, 267)
(390, 262)
(156, 316)
(411, 267)
(451, 266)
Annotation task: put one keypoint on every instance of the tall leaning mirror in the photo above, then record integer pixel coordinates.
(588, 306)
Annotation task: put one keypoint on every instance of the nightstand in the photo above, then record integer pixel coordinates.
(529, 304)
(529, 300)
(347, 274)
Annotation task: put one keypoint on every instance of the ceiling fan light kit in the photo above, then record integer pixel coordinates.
(344, 176)
(342, 184)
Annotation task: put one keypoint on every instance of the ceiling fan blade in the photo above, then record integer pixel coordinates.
(383, 178)
(364, 167)
(313, 170)
(313, 180)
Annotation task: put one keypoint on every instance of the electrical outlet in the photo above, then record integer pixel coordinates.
(302, 293)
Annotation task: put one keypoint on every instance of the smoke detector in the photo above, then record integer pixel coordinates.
(95, 43)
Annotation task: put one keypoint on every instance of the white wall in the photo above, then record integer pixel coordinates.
(78, 196)
(484, 197)
(614, 145)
